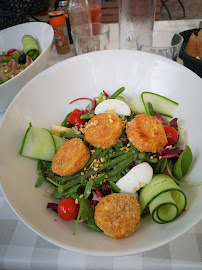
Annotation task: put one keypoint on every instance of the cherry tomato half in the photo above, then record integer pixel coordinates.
(68, 209)
(171, 134)
(12, 51)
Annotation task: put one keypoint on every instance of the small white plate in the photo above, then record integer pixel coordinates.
(45, 101)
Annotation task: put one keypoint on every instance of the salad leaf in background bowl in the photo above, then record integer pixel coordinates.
(44, 102)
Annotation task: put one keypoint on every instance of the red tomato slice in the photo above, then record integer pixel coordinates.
(74, 118)
(12, 51)
(68, 209)
(171, 134)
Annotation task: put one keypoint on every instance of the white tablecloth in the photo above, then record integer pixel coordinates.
(21, 248)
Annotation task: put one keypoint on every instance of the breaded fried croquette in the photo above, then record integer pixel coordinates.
(70, 157)
(146, 133)
(103, 130)
(194, 45)
(118, 215)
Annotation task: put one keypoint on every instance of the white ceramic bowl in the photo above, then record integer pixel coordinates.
(12, 38)
(44, 101)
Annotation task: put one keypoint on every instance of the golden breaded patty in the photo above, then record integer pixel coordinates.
(118, 215)
(146, 133)
(103, 130)
(70, 157)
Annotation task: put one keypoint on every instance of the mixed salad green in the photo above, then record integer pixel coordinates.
(162, 197)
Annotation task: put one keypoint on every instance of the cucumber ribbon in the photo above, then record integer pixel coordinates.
(30, 47)
(164, 198)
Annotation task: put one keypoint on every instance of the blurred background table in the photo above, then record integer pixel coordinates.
(173, 26)
(21, 248)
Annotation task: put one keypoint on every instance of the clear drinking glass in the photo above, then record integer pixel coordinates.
(135, 17)
(164, 43)
(99, 40)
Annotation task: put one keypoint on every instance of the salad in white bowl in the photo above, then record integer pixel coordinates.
(112, 148)
(45, 101)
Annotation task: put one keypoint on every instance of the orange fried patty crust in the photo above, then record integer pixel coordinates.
(118, 215)
(103, 130)
(70, 157)
(146, 133)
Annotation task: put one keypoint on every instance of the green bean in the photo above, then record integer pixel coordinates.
(127, 170)
(117, 153)
(127, 162)
(106, 165)
(65, 179)
(150, 109)
(70, 136)
(59, 179)
(114, 187)
(116, 160)
(70, 184)
(99, 179)
(118, 145)
(134, 149)
(88, 115)
(52, 181)
(114, 178)
(103, 153)
(152, 160)
(141, 156)
(97, 152)
(118, 92)
(41, 178)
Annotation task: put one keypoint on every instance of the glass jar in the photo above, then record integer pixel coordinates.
(58, 21)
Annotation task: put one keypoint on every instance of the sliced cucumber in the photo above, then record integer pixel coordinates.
(124, 99)
(164, 198)
(58, 141)
(137, 105)
(160, 104)
(38, 143)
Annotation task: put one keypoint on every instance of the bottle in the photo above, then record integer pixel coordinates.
(80, 17)
(58, 21)
(95, 10)
(64, 6)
